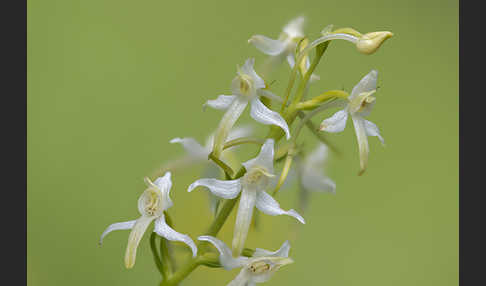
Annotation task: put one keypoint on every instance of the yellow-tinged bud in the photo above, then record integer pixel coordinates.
(370, 42)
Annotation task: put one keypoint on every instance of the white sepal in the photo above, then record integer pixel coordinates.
(283, 251)
(268, 46)
(267, 204)
(335, 123)
(192, 147)
(164, 184)
(223, 189)
(264, 158)
(117, 226)
(164, 230)
(222, 102)
(264, 115)
(372, 130)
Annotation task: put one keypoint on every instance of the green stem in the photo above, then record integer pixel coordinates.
(227, 169)
(243, 140)
(153, 247)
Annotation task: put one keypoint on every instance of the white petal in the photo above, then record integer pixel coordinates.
(134, 239)
(267, 46)
(295, 28)
(243, 220)
(335, 123)
(249, 70)
(264, 115)
(225, 257)
(162, 229)
(226, 124)
(372, 130)
(165, 184)
(223, 189)
(366, 84)
(192, 147)
(275, 264)
(360, 130)
(242, 279)
(267, 204)
(283, 251)
(222, 102)
(117, 226)
(264, 158)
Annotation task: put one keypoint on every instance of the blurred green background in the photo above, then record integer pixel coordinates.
(111, 82)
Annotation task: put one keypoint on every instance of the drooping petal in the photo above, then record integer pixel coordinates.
(164, 230)
(192, 147)
(223, 189)
(283, 251)
(295, 27)
(117, 226)
(335, 123)
(366, 84)
(248, 69)
(222, 102)
(242, 279)
(268, 205)
(372, 130)
(360, 130)
(264, 158)
(243, 220)
(267, 46)
(227, 122)
(134, 239)
(225, 257)
(264, 115)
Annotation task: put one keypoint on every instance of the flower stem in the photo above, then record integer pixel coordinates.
(153, 247)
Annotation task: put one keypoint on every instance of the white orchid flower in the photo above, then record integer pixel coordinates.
(285, 45)
(246, 87)
(256, 269)
(252, 187)
(151, 205)
(359, 106)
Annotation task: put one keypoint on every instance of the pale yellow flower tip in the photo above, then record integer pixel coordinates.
(370, 42)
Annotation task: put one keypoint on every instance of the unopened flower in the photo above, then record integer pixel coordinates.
(370, 42)
(361, 101)
(252, 187)
(256, 269)
(151, 205)
(246, 87)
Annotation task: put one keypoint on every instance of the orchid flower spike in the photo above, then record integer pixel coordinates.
(247, 87)
(151, 205)
(361, 101)
(256, 269)
(252, 187)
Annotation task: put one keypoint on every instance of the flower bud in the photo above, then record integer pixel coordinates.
(370, 42)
